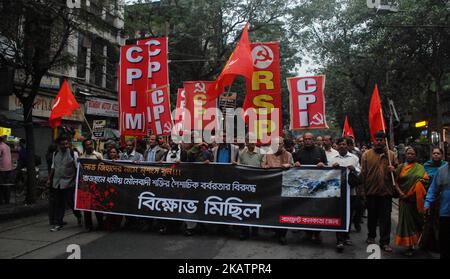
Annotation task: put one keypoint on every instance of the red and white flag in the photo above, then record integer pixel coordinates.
(307, 102)
(64, 104)
(202, 110)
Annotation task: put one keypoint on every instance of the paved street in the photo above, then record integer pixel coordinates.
(29, 238)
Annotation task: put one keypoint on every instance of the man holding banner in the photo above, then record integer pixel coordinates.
(351, 162)
(311, 154)
(280, 159)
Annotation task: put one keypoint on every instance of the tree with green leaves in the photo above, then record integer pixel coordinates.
(203, 33)
(34, 37)
(406, 53)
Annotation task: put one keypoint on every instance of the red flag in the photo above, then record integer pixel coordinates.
(376, 119)
(64, 104)
(348, 131)
(239, 63)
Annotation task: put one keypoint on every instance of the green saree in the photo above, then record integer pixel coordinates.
(411, 179)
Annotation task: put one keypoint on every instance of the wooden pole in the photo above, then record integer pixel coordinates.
(387, 145)
(87, 123)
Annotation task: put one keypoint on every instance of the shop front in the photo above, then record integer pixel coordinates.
(44, 135)
(106, 112)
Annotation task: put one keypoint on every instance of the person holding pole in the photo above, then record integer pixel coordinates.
(377, 168)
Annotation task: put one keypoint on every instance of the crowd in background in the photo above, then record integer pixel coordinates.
(376, 176)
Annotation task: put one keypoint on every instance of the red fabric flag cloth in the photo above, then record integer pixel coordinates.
(376, 119)
(239, 63)
(65, 103)
(348, 131)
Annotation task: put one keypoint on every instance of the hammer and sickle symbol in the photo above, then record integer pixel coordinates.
(167, 127)
(262, 56)
(200, 87)
(317, 119)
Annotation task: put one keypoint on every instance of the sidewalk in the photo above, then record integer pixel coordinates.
(30, 238)
(18, 209)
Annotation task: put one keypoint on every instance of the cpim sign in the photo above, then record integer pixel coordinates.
(133, 85)
(307, 102)
(144, 102)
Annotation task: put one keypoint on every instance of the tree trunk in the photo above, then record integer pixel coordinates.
(29, 135)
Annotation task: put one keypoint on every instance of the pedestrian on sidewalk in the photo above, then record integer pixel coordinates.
(90, 153)
(378, 189)
(351, 162)
(62, 183)
(440, 187)
(6, 171)
(411, 178)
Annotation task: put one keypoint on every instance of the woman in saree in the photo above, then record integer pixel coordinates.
(411, 181)
(430, 238)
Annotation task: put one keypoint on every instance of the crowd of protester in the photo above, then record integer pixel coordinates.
(376, 176)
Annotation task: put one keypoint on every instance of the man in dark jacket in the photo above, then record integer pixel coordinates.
(311, 154)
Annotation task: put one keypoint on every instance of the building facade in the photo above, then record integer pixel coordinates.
(93, 79)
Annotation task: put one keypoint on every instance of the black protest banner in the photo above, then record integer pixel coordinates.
(298, 198)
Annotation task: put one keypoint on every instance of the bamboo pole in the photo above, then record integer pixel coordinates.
(387, 145)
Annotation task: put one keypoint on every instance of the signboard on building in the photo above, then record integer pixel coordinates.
(102, 107)
(43, 107)
(5, 131)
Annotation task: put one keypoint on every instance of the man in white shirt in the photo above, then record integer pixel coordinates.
(351, 162)
(90, 153)
(328, 146)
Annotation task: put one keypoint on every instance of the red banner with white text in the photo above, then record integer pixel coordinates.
(180, 113)
(264, 92)
(159, 119)
(133, 85)
(307, 102)
(203, 113)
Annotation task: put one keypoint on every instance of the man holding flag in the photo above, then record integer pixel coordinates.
(63, 169)
(377, 166)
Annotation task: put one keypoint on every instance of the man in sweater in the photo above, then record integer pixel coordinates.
(376, 169)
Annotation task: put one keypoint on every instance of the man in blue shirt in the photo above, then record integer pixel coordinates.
(225, 152)
(441, 186)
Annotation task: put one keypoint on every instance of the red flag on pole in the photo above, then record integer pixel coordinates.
(376, 119)
(239, 63)
(64, 104)
(348, 131)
